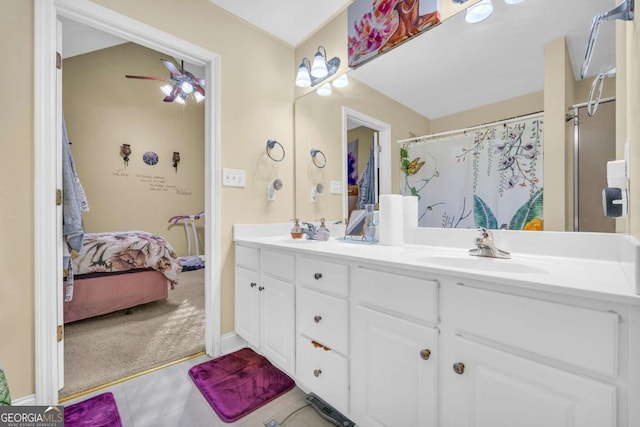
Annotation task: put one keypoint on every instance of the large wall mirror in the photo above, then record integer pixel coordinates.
(457, 76)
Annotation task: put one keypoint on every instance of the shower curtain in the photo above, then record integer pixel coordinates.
(491, 177)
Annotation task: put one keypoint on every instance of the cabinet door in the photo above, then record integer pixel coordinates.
(246, 306)
(498, 389)
(277, 322)
(393, 371)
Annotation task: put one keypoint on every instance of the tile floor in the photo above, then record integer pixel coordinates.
(168, 398)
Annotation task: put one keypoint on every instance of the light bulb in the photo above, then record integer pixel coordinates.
(479, 12)
(179, 99)
(199, 97)
(187, 87)
(324, 90)
(319, 68)
(302, 78)
(341, 81)
(166, 89)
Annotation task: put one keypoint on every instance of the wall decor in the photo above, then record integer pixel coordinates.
(150, 158)
(126, 152)
(376, 26)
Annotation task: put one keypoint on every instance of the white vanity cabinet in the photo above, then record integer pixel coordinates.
(265, 303)
(514, 361)
(394, 356)
(322, 318)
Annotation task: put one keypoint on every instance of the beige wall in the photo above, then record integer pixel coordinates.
(104, 110)
(256, 105)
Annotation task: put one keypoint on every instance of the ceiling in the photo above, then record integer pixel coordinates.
(454, 66)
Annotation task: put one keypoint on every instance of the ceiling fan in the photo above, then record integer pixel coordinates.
(180, 85)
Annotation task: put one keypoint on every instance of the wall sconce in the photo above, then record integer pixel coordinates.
(318, 158)
(270, 146)
(276, 185)
(312, 74)
(126, 152)
(176, 160)
(316, 191)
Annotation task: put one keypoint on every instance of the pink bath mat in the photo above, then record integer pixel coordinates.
(99, 411)
(239, 383)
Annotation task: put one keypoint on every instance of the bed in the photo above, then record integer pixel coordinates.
(116, 271)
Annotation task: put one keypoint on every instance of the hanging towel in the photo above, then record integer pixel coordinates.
(367, 184)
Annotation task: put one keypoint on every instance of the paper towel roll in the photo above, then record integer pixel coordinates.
(391, 228)
(410, 211)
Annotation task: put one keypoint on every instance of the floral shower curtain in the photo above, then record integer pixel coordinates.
(489, 178)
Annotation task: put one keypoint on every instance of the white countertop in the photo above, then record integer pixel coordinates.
(609, 277)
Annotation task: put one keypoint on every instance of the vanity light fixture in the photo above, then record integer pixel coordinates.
(126, 152)
(479, 12)
(311, 74)
(340, 82)
(324, 90)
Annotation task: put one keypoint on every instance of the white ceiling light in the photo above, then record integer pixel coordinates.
(479, 12)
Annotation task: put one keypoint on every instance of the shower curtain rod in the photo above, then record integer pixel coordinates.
(465, 130)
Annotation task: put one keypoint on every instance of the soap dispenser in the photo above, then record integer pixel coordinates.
(323, 232)
(296, 231)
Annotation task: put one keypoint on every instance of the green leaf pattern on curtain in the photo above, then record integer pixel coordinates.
(5, 397)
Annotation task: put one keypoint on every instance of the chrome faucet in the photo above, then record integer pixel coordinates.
(310, 230)
(486, 247)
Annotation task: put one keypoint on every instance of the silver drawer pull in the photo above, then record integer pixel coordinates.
(252, 284)
(317, 276)
(317, 319)
(317, 372)
(425, 354)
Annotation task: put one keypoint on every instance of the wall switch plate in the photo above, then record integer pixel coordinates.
(234, 178)
(336, 187)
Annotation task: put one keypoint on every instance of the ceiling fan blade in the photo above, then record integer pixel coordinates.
(172, 68)
(145, 77)
(200, 82)
(172, 95)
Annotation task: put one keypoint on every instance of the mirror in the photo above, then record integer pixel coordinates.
(471, 76)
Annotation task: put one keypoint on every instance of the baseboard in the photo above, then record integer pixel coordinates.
(231, 342)
(24, 401)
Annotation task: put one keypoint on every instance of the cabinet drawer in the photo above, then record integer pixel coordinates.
(323, 318)
(323, 275)
(577, 336)
(248, 257)
(397, 294)
(278, 264)
(323, 372)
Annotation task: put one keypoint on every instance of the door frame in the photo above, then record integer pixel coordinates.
(46, 252)
(384, 155)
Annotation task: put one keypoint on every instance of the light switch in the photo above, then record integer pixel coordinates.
(336, 187)
(234, 178)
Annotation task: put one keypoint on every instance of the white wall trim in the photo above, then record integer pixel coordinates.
(232, 342)
(384, 139)
(29, 400)
(45, 127)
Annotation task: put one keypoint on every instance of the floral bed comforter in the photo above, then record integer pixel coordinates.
(124, 251)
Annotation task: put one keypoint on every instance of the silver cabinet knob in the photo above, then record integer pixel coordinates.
(317, 372)
(261, 288)
(425, 354)
(317, 276)
(317, 319)
(252, 284)
(458, 368)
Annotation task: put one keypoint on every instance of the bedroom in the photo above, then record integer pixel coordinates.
(104, 111)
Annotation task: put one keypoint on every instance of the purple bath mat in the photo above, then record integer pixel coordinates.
(99, 411)
(239, 383)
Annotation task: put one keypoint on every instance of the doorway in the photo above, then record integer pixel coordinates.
(48, 248)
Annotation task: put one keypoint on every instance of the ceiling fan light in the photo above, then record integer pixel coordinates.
(303, 79)
(324, 90)
(319, 67)
(479, 12)
(166, 89)
(179, 99)
(199, 97)
(187, 87)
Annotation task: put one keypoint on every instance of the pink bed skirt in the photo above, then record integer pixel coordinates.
(101, 295)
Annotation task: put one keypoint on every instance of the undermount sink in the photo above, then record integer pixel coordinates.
(466, 261)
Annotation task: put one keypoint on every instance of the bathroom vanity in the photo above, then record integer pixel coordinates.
(425, 335)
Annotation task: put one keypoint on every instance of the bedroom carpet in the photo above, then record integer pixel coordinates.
(114, 346)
